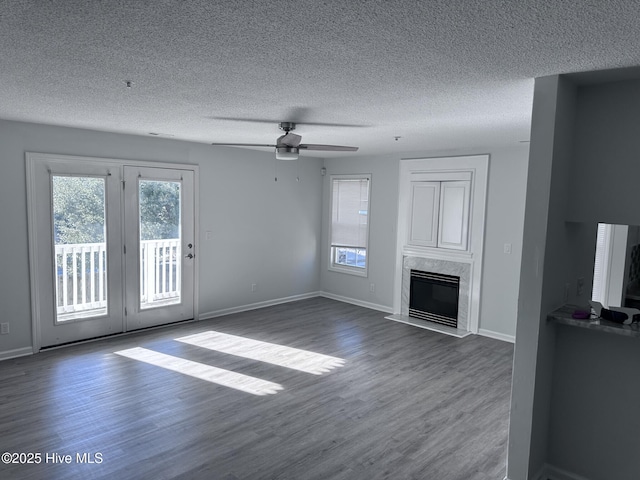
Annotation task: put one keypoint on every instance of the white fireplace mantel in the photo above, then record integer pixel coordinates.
(469, 260)
(439, 253)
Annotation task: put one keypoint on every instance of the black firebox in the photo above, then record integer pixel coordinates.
(434, 297)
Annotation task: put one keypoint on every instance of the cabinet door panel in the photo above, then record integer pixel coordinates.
(454, 215)
(425, 199)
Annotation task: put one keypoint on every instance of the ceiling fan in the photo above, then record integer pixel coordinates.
(288, 146)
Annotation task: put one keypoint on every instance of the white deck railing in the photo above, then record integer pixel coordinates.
(160, 272)
(81, 278)
(81, 285)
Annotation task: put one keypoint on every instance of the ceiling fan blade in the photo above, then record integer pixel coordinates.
(293, 119)
(327, 148)
(290, 139)
(243, 145)
(240, 119)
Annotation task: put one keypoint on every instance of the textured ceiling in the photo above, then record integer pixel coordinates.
(438, 73)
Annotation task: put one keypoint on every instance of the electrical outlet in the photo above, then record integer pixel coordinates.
(208, 235)
(580, 286)
(4, 328)
(254, 287)
(507, 248)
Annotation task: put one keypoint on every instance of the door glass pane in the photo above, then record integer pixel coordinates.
(160, 246)
(79, 231)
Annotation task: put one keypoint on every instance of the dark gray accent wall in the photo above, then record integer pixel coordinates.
(583, 169)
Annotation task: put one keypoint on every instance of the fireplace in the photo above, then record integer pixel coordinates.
(434, 297)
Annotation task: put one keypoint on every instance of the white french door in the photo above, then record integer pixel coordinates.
(111, 247)
(159, 246)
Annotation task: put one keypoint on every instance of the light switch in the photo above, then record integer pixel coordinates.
(507, 248)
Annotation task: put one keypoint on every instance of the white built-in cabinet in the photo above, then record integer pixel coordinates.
(439, 213)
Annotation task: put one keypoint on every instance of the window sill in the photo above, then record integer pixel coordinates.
(356, 271)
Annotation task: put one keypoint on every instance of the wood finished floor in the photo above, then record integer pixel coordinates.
(407, 404)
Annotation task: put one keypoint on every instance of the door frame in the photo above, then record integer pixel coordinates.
(33, 160)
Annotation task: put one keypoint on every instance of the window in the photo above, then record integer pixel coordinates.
(601, 264)
(349, 234)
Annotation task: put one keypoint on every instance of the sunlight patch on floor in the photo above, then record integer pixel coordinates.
(219, 376)
(294, 358)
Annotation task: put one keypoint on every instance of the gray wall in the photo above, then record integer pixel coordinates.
(522, 446)
(506, 195)
(591, 418)
(264, 232)
(382, 232)
(595, 421)
(504, 224)
(606, 166)
(570, 388)
(557, 266)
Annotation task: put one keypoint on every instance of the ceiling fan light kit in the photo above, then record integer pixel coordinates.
(288, 146)
(287, 153)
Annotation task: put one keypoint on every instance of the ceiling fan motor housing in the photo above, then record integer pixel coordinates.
(287, 126)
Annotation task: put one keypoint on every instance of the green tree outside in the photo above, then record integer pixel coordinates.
(79, 210)
(159, 210)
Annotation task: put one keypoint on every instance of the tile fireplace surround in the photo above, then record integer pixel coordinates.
(447, 267)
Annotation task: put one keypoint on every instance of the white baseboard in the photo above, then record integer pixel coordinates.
(555, 473)
(21, 352)
(255, 306)
(360, 303)
(497, 335)
(18, 352)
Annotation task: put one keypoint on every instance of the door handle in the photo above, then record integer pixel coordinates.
(190, 255)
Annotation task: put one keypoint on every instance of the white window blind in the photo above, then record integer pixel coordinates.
(601, 263)
(350, 212)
